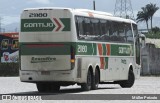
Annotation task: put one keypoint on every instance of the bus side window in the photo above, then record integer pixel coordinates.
(4, 44)
(79, 27)
(129, 34)
(14, 44)
(121, 32)
(95, 28)
(86, 26)
(105, 30)
(114, 35)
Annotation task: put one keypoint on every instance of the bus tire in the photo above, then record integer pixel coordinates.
(128, 83)
(55, 88)
(41, 87)
(87, 86)
(95, 80)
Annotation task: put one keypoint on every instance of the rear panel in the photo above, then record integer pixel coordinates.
(45, 57)
(42, 39)
(45, 25)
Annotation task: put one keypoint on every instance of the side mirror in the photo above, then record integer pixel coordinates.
(142, 38)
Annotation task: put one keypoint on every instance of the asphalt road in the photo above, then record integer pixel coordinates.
(143, 85)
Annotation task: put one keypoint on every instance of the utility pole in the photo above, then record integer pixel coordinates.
(0, 24)
(94, 5)
(123, 8)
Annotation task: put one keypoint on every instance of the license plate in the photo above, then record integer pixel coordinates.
(45, 72)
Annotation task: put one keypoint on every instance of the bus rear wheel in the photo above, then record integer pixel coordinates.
(87, 86)
(41, 87)
(95, 80)
(128, 83)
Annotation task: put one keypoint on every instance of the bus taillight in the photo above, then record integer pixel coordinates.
(72, 60)
(72, 57)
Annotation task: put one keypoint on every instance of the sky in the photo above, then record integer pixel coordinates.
(10, 10)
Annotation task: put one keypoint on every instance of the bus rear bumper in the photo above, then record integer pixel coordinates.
(46, 76)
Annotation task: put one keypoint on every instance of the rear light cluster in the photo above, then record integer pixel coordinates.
(72, 57)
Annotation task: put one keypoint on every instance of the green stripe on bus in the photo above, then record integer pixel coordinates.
(85, 49)
(104, 49)
(81, 48)
(120, 50)
(45, 49)
(67, 24)
(94, 48)
(106, 63)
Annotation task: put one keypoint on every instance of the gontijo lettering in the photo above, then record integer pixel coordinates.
(37, 25)
(45, 24)
(124, 50)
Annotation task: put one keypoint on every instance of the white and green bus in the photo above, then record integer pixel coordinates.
(64, 46)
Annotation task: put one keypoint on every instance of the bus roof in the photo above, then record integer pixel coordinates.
(87, 13)
(93, 11)
(47, 8)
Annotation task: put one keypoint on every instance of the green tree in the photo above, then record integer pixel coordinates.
(147, 13)
(151, 9)
(155, 29)
(143, 16)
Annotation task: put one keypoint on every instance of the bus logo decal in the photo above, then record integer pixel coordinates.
(100, 49)
(45, 24)
(104, 62)
(124, 50)
(58, 24)
(104, 49)
(40, 60)
(108, 49)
